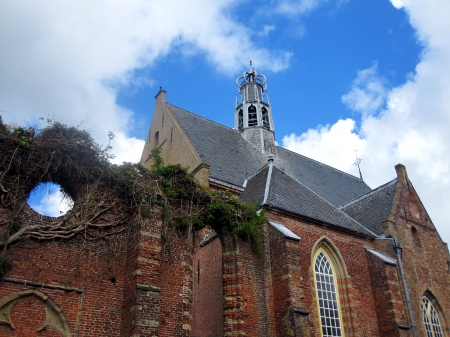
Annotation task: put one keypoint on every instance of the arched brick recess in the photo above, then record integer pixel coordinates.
(55, 318)
(343, 281)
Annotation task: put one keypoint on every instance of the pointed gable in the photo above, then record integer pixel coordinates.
(371, 208)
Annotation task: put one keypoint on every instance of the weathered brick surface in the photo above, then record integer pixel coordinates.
(424, 256)
(388, 295)
(95, 269)
(166, 133)
(207, 288)
(356, 297)
(146, 282)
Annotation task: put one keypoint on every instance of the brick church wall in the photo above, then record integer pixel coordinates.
(356, 296)
(207, 288)
(425, 257)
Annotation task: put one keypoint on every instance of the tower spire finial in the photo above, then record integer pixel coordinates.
(253, 117)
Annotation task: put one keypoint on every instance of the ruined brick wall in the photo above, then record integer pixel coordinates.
(84, 278)
(175, 280)
(207, 280)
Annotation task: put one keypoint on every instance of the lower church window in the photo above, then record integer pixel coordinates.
(431, 319)
(327, 296)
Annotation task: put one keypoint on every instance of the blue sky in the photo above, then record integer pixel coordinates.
(343, 75)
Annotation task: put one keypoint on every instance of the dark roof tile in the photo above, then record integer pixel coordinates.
(371, 208)
(233, 160)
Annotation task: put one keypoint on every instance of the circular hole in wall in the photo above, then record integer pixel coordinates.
(50, 199)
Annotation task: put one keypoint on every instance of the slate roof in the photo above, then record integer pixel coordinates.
(371, 208)
(288, 194)
(233, 160)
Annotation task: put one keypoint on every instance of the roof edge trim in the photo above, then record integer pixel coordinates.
(283, 230)
(386, 259)
(223, 183)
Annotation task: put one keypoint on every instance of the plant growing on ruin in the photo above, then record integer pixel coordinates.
(109, 198)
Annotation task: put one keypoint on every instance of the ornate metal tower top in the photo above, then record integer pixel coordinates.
(253, 116)
(252, 76)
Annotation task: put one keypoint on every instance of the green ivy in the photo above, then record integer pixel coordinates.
(5, 265)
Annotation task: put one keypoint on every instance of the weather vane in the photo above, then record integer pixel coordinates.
(357, 162)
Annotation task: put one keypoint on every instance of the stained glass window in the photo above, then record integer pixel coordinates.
(327, 296)
(431, 319)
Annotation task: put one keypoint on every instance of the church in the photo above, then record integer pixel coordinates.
(339, 259)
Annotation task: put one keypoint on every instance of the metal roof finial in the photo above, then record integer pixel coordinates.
(251, 67)
(357, 162)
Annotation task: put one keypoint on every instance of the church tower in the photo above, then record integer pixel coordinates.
(253, 116)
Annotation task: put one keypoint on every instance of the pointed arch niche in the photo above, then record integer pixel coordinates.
(55, 318)
(331, 290)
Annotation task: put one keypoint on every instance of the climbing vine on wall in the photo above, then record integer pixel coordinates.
(108, 198)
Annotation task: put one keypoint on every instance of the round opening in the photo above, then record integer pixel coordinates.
(50, 199)
(113, 280)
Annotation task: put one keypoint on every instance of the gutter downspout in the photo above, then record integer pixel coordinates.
(269, 176)
(397, 246)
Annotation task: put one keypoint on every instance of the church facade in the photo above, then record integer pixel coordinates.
(339, 259)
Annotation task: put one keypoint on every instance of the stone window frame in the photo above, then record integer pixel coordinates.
(252, 116)
(343, 283)
(323, 312)
(431, 314)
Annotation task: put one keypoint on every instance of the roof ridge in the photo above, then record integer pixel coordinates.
(342, 212)
(204, 118)
(379, 188)
(319, 162)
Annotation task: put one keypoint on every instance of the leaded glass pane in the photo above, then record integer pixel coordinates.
(326, 292)
(431, 319)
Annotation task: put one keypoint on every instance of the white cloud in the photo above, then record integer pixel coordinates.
(412, 128)
(368, 92)
(46, 199)
(69, 58)
(334, 144)
(266, 30)
(294, 7)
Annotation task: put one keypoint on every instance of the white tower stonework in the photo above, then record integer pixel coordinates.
(253, 116)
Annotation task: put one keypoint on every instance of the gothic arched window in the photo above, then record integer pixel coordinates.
(241, 120)
(252, 118)
(265, 118)
(327, 296)
(156, 138)
(431, 319)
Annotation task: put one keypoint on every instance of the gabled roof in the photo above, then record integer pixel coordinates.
(371, 208)
(233, 160)
(286, 193)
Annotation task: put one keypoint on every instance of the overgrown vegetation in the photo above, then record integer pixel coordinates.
(108, 198)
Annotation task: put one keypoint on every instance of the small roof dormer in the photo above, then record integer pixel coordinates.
(253, 116)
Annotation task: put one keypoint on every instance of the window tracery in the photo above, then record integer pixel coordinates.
(327, 296)
(431, 319)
